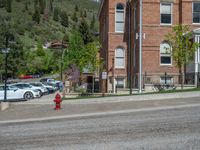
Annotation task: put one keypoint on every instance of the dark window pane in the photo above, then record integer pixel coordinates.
(196, 7)
(165, 60)
(166, 18)
(120, 7)
(196, 17)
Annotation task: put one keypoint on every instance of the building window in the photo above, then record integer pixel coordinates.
(165, 54)
(166, 80)
(120, 81)
(119, 58)
(196, 12)
(166, 13)
(119, 18)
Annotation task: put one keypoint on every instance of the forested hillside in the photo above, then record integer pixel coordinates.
(36, 22)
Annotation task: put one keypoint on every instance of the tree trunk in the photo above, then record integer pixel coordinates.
(181, 79)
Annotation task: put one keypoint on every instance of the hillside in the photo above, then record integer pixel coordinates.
(30, 32)
(36, 22)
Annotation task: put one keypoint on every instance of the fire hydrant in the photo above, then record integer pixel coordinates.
(57, 101)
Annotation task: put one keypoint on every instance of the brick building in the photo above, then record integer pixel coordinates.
(119, 36)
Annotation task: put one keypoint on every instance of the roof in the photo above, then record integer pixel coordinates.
(101, 5)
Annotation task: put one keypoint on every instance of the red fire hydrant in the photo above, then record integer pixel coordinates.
(57, 101)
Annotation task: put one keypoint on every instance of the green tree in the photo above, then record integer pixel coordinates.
(40, 51)
(42, 5)
(92, 24)
(183, 49)
(64, 19)
(85, 14)
(66, 38)
(56, 14)
(9, 6)
(76, 8)
(26, 5)
(85, 32)
(75, 51)
(2, 3)
(36, 16)
(74, 17)
(50, 6)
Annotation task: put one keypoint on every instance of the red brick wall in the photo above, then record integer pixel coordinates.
(153, 30)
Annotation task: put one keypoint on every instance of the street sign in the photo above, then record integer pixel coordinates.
(104, 75)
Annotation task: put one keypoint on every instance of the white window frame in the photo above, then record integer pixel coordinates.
(116, 18)
(193, 11)
(162, 55)
(120, 67)
(166, 3)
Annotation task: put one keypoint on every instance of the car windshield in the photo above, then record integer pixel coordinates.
(12, 88)
(27, 86)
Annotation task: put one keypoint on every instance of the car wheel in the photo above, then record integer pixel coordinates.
(40, 92)
(28, 96)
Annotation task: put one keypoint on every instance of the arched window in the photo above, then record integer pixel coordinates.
(165, 54)
(119, 18)
(119, 58)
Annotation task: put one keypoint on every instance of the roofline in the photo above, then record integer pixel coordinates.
(102, 2)
(101, 5)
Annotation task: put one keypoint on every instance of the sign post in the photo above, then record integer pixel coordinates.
(104, 78)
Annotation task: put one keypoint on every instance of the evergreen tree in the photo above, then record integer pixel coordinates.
(9, 6)
(2, 3)
(26, 5)
(92, 24)
(35, 3)
(81, 13)
(85, 32)
(51, 6)
(76, 8)
(85, 14)
(42, 6)
(74, 17)
(56, 14)
(36, 16)
(64, 19)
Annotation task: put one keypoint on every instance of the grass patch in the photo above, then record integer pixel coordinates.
(117, 95)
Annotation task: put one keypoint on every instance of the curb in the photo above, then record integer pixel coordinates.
(4, 106)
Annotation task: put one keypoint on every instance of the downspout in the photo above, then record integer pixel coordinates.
(140, 50)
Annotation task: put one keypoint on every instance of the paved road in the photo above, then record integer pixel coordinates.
(174, 129)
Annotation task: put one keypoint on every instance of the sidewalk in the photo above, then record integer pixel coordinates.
(34, 109)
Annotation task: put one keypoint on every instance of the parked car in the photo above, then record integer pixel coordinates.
(14, 93)
(26, 77)
(28, 86)
(48, 87)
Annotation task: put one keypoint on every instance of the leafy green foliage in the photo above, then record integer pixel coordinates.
(9, 6)
(64, 19)
(56, 14)
(36, 16)
(183, 48)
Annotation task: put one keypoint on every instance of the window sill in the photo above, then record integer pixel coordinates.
(162, 24)
(120, 68)
(166, 65)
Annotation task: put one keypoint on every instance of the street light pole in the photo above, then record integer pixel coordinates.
(6, 51)
(140, 50)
